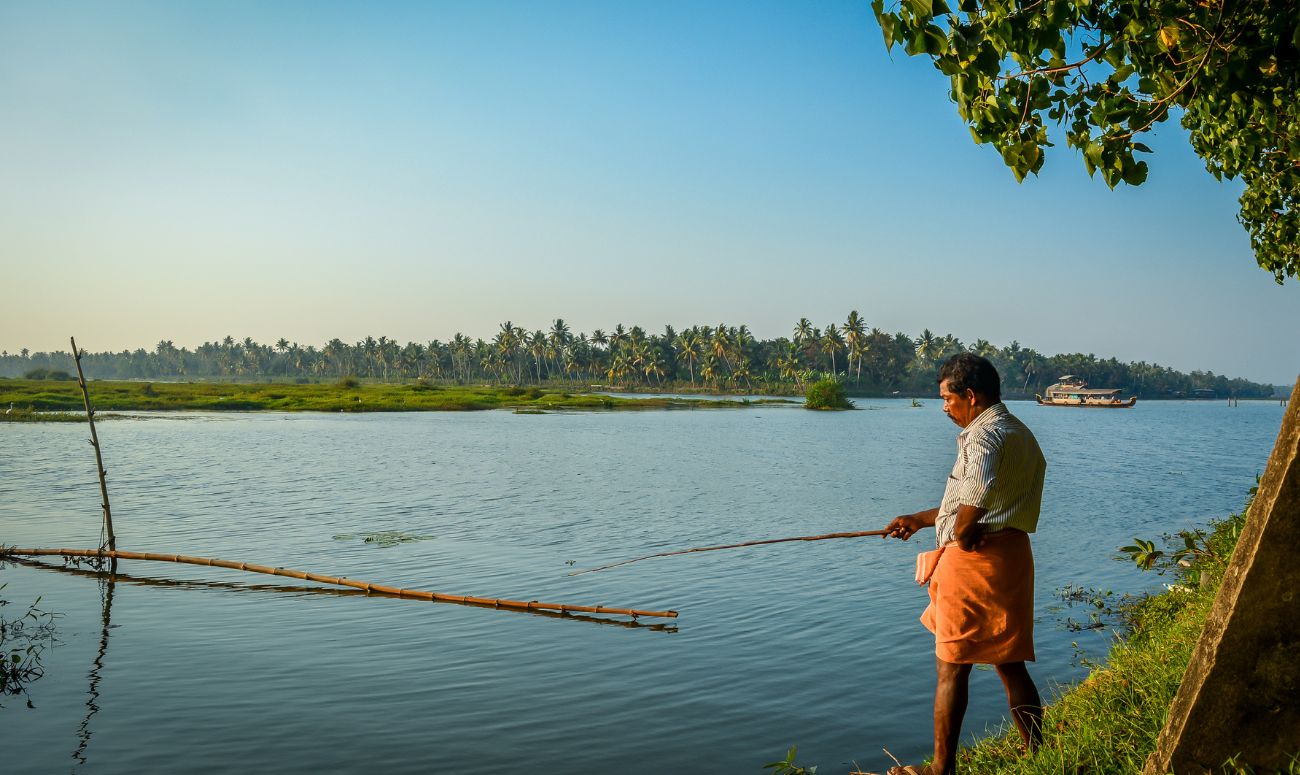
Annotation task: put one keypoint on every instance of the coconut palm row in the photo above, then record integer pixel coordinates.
(717, 357)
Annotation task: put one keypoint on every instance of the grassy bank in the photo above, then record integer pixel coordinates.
(1109, 722)
(347, 396)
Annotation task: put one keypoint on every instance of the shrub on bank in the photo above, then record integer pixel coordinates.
(57, 375)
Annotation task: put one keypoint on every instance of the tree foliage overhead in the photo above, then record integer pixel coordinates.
(1109, 70)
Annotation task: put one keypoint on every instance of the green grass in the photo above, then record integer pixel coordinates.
(44, 396)
(1109, 722)
(26, 414)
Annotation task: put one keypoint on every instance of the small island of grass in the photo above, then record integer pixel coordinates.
(36, 400)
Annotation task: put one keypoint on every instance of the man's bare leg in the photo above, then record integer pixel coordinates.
(950, 695)
(1026, 705)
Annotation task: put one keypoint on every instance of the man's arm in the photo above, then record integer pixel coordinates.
(904, 526)
(967, 529)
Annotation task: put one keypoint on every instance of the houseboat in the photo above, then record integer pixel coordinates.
(1072, 391)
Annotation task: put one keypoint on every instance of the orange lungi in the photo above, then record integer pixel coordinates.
(982, 602)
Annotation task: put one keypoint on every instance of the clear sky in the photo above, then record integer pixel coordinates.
(312, 170)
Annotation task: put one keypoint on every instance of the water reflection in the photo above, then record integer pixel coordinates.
(107, 582)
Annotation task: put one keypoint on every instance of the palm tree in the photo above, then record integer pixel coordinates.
(742, 342)
(688, 349)
(618, 367)
(536, 345)
(949, 346)
(505, 346)
(617, 337)
(741, 374)
(789, 366)
(640, 353)
(803, 331)
(410, 358)
(654, 367)
(831, 343)
(559, 340)
(721, 344)
(560, 335)
(928, 347)
(857, 351)
(709, 369)
(854, 334)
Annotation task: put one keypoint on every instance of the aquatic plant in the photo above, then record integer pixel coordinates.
(22, 640)
(384, 538)
(787, 766)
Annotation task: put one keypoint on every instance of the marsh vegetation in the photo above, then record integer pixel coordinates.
(36, 400)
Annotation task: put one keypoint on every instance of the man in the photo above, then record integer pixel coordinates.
(982, 587)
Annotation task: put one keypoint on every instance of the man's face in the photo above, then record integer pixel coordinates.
(961, 408)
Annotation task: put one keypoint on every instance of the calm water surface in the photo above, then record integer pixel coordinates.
(176, 668)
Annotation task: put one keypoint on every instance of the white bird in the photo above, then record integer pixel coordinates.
(10, 409)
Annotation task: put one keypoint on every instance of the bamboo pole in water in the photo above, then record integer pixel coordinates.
(858, 534)
(94, 442)
(517, 605)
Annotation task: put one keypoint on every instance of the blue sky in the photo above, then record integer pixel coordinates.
(312, 170)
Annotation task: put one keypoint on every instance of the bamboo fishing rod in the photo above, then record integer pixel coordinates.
(858, 534)
(490, 602)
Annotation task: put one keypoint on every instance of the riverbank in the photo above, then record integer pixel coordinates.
(1109, 722)
(32, 398)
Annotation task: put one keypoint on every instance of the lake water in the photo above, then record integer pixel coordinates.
(818, 644)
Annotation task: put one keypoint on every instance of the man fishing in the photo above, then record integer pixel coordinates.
(981, 578)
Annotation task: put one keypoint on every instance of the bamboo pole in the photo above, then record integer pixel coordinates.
(858, 534)
(94, 442)
(516, 605)
(304, 589)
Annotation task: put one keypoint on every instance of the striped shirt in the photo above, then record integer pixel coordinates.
(1000, 468)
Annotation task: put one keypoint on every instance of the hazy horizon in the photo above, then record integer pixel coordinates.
(188, 172)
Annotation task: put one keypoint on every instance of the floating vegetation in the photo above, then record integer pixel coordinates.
(29, 414)
(531, 411)
(384, 538)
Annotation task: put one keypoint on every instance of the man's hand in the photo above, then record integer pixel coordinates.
(905, 526)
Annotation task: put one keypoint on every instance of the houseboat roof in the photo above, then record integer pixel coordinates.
(1085, 391)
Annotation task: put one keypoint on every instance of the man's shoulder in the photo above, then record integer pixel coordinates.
(998, 427)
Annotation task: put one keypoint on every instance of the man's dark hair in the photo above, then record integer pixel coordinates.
(968, 370)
